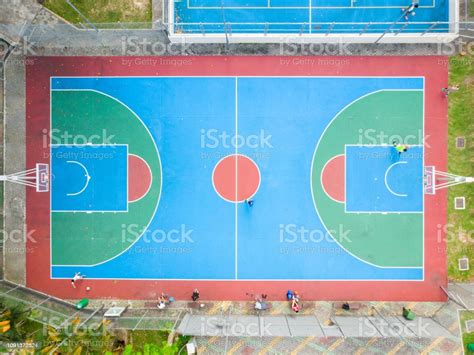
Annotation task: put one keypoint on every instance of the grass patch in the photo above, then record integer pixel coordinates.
(103, 11)
(461, 162)
(467, 338)
(143, 341)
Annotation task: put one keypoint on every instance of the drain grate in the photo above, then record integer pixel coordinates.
(460, 142)
(463, 264)
(459, 203)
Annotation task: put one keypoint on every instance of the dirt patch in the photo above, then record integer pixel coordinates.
(469, 80)
(140, 4)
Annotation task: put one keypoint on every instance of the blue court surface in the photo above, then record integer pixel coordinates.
(308, 16)
(190, 120)
(378, 179)
(89, 178)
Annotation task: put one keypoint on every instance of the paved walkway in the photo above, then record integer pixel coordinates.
(319, 333)
(377, 327)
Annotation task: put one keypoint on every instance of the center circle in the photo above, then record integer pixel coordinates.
(236, 178)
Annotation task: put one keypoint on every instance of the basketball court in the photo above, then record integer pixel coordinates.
(151, 168)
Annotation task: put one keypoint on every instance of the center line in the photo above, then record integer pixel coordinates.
(236, 178)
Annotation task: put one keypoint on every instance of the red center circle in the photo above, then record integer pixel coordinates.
(236, 178)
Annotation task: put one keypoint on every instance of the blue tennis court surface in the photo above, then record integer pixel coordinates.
(89, 178)
(378, 179)
(308, 16)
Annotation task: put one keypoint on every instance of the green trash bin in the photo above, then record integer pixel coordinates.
(408, 314)
(470, 347)
(82, 303)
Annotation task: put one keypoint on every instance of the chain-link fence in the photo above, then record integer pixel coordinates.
(58, 314)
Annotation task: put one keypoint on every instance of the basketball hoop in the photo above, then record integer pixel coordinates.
(37, 177)
(436, 180)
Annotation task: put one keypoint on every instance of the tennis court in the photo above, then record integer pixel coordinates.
(307, 16)
(152, 168)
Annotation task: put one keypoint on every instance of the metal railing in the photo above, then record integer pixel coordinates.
(304, 28)
(57, 313)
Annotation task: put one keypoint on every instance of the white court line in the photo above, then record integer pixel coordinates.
(386, 176)
(239, 280)
(88, 178)
(50, 151)
(345, 188)
(385, 146)
(86, 145)
(255, 77)
(236, 182)
(310, 17)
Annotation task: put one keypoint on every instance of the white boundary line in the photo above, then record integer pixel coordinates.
(160, 188)
(239, 280)
(240, 76)
(312, 192)
(312, 195)
(84, 146)
(423, 185)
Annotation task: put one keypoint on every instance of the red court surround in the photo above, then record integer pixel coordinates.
(434, 69)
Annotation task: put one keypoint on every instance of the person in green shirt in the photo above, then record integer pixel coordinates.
(400, 148)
